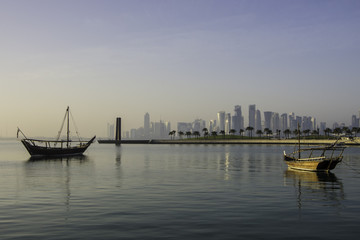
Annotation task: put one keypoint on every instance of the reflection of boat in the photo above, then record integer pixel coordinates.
(315, 187)
(317, 159)
(313, 180)
(38, 147)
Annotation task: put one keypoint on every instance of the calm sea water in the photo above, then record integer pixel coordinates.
(175, 192)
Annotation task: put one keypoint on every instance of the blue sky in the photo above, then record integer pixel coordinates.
(177, 60)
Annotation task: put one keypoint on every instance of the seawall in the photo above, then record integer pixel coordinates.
(236, 141)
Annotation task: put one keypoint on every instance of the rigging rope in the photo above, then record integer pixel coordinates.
(61, 128)
(76, 129)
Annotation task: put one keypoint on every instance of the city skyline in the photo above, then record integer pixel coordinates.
(177, 60)
(227, 122)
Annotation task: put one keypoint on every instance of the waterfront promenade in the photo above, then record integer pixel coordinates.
(241, 141)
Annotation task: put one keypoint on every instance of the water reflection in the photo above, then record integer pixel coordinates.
(80, 158)
(57, 175)
(320, 187)
(118, 155)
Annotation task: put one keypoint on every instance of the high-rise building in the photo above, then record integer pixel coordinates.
(292, 121)
(322, 128)
(198, 125)
(110, 131)
(258, 120)
(227, 123)
(221, 120)
(167, 128)
(298, 122)
(237, 122)
(160, 130)
(284, 122)
(212, 126)
(354, 121)
(184, 127)
(252, 113)
(275, 122)
(313, 123)
(146, 125)
(268, 120)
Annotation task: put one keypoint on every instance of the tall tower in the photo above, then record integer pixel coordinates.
(237, 119)
(258, 120)
(118, 131)
(268, 120)
(284, 122)
(221, 120)
(252, 115)
(227, 122)
(146, 125)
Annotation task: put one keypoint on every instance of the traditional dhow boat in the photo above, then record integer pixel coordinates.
(323, 158)
(68, 147)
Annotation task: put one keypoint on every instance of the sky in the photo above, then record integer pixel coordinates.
(177, 60)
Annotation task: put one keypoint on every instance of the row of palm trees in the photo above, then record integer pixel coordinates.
(268, 132)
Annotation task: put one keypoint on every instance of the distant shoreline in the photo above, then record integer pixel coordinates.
(234, 141)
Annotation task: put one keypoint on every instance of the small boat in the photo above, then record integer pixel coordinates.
(68, 147)
(323, 158)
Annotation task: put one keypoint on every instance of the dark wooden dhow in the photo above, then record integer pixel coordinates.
(68, 147)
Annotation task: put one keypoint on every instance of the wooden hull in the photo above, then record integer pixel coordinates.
(38, 151)
(314, 164)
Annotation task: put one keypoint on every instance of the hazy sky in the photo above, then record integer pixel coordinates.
(178, 60)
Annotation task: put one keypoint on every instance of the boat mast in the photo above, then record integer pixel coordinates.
(68, 129)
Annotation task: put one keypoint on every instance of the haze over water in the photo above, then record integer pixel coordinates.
(175, 191)
(177, 60)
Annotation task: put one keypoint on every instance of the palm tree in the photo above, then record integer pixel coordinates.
(181, 134)
(327, 132)
(306, 132)
(232, 131)
(287, 133)
(259, 132)
(347, 131)
(337, 131)
(241, 131)
(222, 132)
(355, 130)
(196, 134)
(297, 132)
(278, 132)
(188, 134)
(205, 132)
(266, 131)
(214, 134)
(250, 129)
(172, 133)
(315, 133)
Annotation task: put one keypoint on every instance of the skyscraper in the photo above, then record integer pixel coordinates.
(268, 120)
(276, 122)
(221, 120)
(284, 122)
(252, 115)
(147, 125)
(258, 120)
(110, 131)
(237, 120)
(227, 123)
